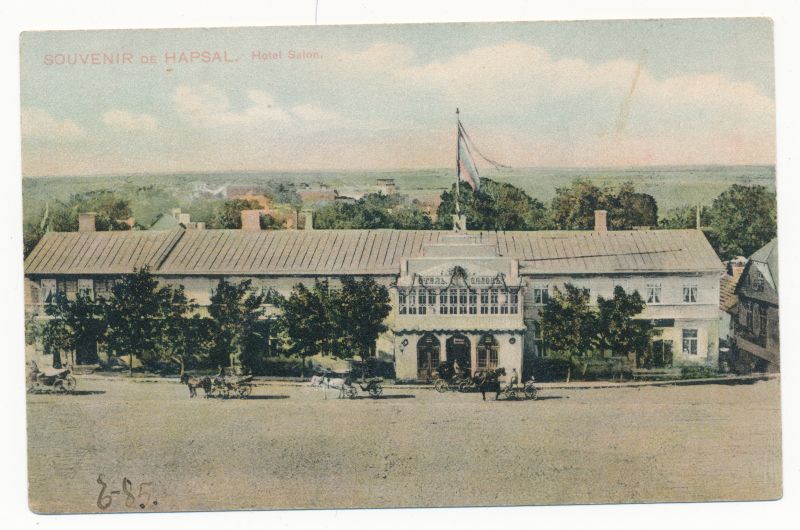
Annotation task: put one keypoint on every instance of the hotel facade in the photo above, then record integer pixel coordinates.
(471, 296)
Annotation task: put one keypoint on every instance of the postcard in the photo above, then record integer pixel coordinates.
(430, 265)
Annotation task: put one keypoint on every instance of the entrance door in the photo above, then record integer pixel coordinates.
(427, 356)
(458, 349)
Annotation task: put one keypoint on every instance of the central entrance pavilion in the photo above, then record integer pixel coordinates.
(460, 301)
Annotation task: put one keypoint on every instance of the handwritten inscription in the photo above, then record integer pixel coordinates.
(140, 497)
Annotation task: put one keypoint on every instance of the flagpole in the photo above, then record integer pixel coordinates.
(458, 169)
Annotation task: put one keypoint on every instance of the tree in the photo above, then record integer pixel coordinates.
(142, 317)
(496, 206)
(618, 331)
(236, 310)
(573, 206)
(308, 320)
(363, 306)
(569, 324)
(74, 326)
(228, 213)
(684, 217)
(743, 219)
(372, 211)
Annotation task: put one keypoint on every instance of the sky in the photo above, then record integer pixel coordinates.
(548, 94)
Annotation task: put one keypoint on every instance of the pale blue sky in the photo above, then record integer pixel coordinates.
(556, 94)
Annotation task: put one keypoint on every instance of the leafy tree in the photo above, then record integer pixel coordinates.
(228, 213)
(569, 324)
(374, 211)
(235, 310)
(339, 322)
(363, 306)
(62, 216)
(142, 318)
(74, 326)
(573, 206)
(308, 321)
(618, 331)
(743, 218)
(150, 202)
(496, 206)
(684, 217)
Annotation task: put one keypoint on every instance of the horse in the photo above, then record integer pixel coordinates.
(339, 383)
(316, 381)
(193, 382)
(489, 380)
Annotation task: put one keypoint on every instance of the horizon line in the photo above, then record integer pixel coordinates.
(395, 170)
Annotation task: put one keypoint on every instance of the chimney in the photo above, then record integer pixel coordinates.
(200, 226)
(184, 218)
(308, 219)
(600, 221)
(251, 220)
(86, 222)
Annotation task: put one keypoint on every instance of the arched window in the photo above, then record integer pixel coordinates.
(487, 352)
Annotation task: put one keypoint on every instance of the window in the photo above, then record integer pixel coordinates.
(653, 293)
(541, 294)
(690, 294)
(462, 301)
(762, 316)
(484, 301)
(431, 301)
(504, 299)
(756, 281)
(473, 302)
(453, 294)
(514, 302)
(487, 352)
(103, 287)
(401, 301)
(48, 290)
(748, 315)
(493, 301)
(68, 287)
(690, 342)
(86, 286)
(444, 306)
(412, 302)
(422, 297)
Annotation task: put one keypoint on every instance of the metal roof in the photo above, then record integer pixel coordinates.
(100, 252)
(359, 252)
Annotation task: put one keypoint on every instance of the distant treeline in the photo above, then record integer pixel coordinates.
(738, 222)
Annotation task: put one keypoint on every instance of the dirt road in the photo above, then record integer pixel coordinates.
(287, 447)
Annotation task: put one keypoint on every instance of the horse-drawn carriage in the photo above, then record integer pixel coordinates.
(482, 380)
(53, 379)
(346, 384)
(221, 385)
(449, 377)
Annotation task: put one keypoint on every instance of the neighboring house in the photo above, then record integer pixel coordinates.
(475, 296)
(756, 335)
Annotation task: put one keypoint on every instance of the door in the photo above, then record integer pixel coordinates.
(458, 350)
(428, 349)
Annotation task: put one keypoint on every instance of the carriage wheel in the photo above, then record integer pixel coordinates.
(375, 391)
(440, 385)
(530, 392)
(352, 392)
(464, 386)
(69, 383)
(245, 390)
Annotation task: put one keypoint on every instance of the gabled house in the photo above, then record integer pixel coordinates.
(756, 341)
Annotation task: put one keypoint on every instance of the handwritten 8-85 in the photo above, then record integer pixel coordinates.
(139, 497)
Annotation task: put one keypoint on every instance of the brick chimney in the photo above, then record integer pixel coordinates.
(308, 219)
(600, 221)
(86, 222)
(251, 220)
(184, 218)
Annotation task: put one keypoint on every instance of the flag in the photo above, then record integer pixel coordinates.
(467, 172)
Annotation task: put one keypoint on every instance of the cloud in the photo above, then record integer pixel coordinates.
(207, 106)
(575, 107)
(309, 112)
(37, 123)
(124, 121)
